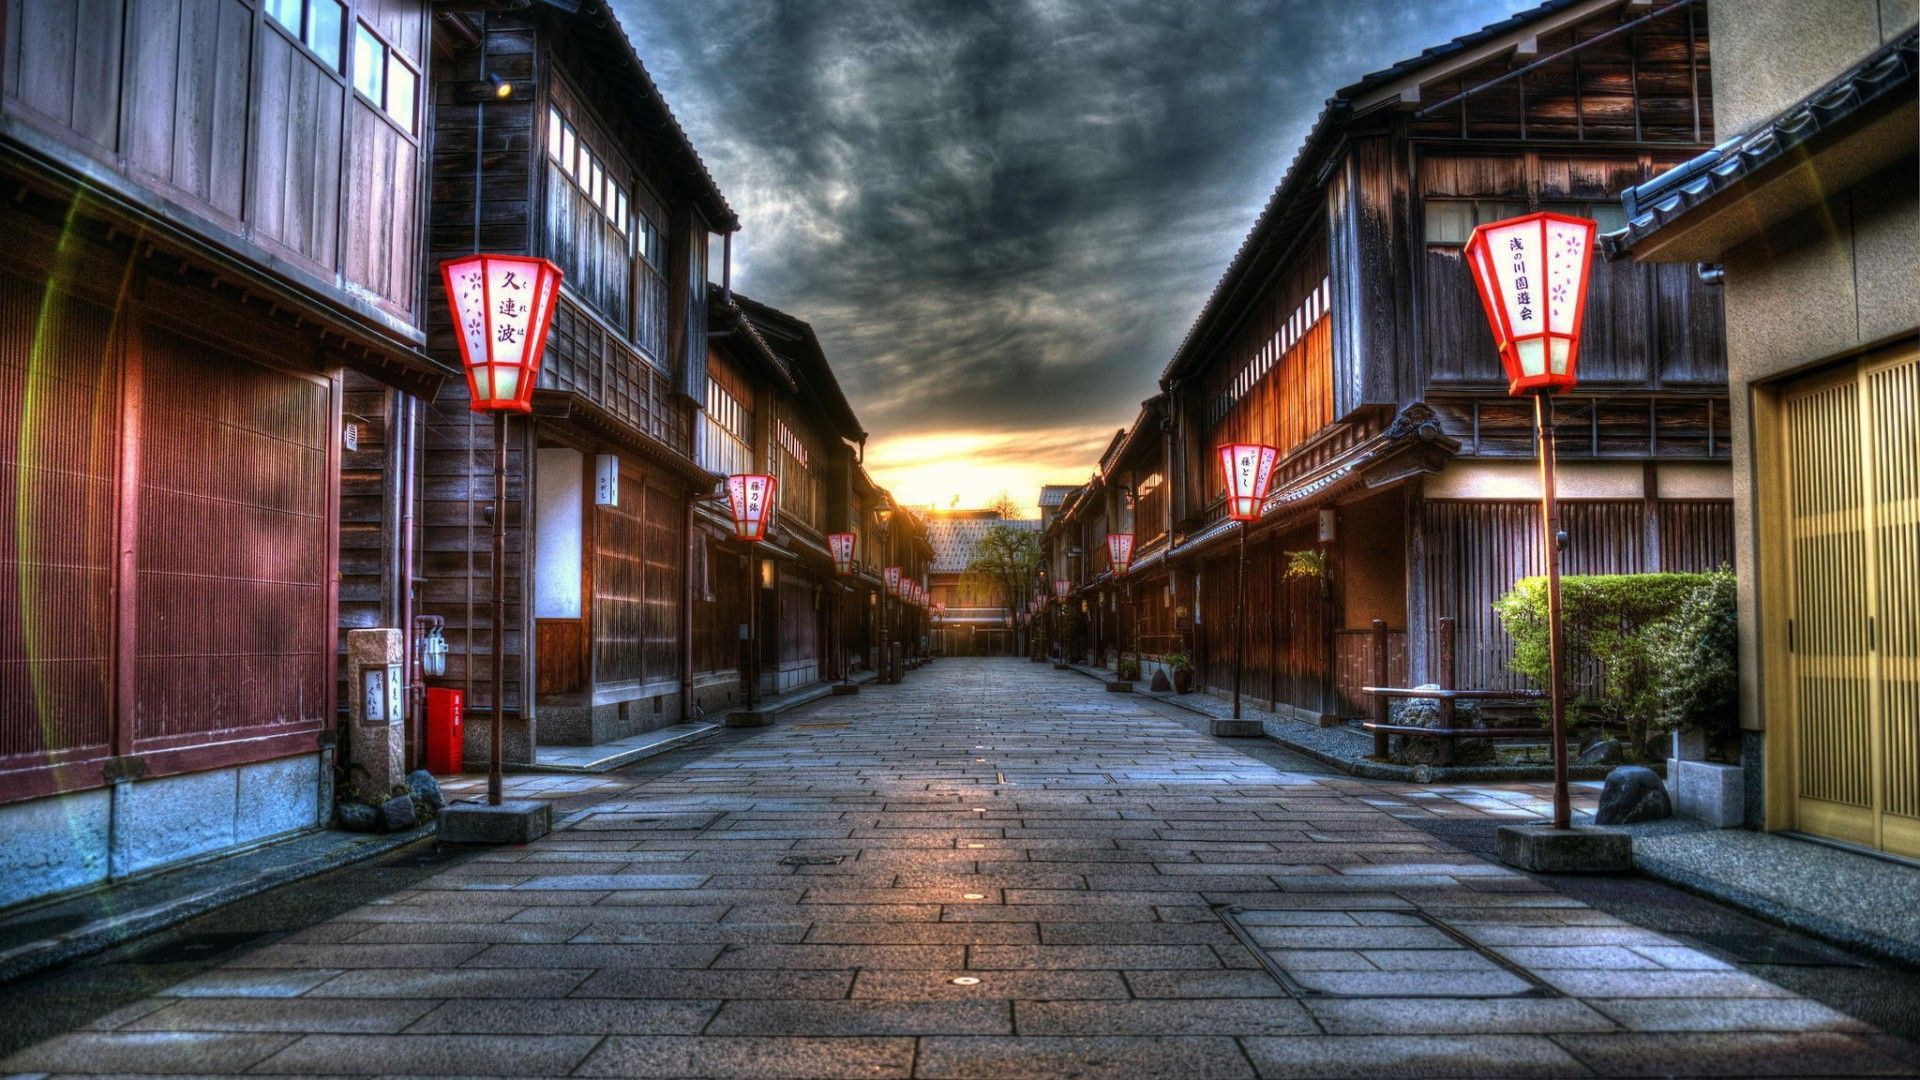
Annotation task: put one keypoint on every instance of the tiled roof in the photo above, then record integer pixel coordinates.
(953, 539)
(1889, 74)
(1055, 494)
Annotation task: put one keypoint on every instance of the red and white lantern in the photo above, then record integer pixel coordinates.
(841, 547)
(1061, 586)
(891, 575)
(1120, 551)
(502, 306)
(1532, 275)
(751, 498)
(1247, 469)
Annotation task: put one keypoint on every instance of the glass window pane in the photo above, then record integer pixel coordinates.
(593, 179)
(555, 142)
(1610, 216)
(286, 13)
(369, 63)
(401, 82)
(326, 24)
(566, 149)
(1448, 221)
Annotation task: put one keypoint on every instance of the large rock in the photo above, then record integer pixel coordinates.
(1632, 793)
(357, 817)
(1604, 752)
(1425, 712)
(425, 790)
(1160, 683)
(397, 814)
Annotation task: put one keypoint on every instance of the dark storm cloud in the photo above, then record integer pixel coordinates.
(1006, 213)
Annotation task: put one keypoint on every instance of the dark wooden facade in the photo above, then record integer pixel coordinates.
(773, 406)
(582, 164)
(214, 224)
(1347, 333)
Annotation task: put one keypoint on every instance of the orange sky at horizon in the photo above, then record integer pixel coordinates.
(969, 469)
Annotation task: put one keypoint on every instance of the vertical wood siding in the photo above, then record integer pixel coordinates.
(59, 387)
(234, 626)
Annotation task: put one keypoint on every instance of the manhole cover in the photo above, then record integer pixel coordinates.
(628, 822)
(1770, 949)
(1375, 953)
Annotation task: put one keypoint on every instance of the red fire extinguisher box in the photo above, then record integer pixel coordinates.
(446, 734)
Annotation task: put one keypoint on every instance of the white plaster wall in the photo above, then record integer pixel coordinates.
(1521, 480)
(558, 503)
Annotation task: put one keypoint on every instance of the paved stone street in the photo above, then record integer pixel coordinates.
(996, 869)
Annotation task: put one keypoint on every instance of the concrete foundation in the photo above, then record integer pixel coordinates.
(514, 821)
(67, 842)
(1119, 686)
(1580, 849)
(1708, 792)
(1235, 729)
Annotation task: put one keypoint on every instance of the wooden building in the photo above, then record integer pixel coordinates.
(550, 139)
(979, 620)
(1810, 209)
(773, 406)
(213, 217)
(1347, 333)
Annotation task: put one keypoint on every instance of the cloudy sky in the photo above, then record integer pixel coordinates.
(1001, 216)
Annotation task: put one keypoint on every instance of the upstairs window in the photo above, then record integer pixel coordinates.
(1451, 221)
(321, 25)
(382, 77)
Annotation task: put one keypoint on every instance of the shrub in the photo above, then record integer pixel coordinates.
(1128, 669)
(1695, 653)
(1178, 662)
(1608, 620)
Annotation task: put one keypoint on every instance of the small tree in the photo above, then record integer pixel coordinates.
(1696, 653)
(1002, 565)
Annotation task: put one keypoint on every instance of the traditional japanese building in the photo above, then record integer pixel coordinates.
(773, 406)
(551, 140)
(977, 619)
(1346, 332)
(213, 218)
(1809, 214)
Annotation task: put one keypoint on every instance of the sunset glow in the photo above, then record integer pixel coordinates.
(935, 468)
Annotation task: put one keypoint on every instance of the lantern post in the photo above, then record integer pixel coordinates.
(1120, 556)
(840, 546)
(752, 499)
(502, 306)
(1531, 272)
(1247, 469)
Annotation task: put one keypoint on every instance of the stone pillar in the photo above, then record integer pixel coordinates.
(376, 711)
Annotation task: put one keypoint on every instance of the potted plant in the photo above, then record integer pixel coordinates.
(1128, 669)
(1182, 667)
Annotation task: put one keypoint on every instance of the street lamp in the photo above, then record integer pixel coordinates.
(1120, 556)
(751, 501)
(840, 546)
(1532, 275)
(1248, 471)
(502, 306)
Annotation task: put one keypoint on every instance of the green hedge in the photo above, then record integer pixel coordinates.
(1659, 647)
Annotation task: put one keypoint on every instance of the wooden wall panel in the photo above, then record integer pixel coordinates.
(382, 221)
(235, 625)
(620, 584)
(296, 135)
(720, 598)
(185, 126)
(59, 385)
(665, 547)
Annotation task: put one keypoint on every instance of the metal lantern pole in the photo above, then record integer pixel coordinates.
(1556, 638)
(499, 605)
(1239, 617)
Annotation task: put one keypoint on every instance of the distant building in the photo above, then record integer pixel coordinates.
(977, 622)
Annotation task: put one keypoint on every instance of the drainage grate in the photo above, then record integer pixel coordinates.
(812, 860)
(1375, 953)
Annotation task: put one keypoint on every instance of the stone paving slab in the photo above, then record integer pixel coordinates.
(991, 870)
